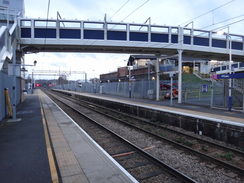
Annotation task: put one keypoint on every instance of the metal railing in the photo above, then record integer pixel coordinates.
(156, 35)
(225, 68)
(7, 39)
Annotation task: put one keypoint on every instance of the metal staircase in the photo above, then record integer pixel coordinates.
(8, 37)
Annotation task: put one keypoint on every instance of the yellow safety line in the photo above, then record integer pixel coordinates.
(52, 165)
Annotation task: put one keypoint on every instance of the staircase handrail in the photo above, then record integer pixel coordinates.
(7, 38)
(205, 77)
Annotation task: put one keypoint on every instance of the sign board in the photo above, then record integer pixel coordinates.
(228, 76)
(204, 88)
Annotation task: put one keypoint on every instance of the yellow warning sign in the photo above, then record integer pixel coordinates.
(8, 103)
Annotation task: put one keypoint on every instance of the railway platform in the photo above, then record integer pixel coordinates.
(218, 115)
(45, 145)
(222, 125)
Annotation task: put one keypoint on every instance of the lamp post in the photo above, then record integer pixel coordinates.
(230, 59)
(129, 67)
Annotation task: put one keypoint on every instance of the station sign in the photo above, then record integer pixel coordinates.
(228, 76)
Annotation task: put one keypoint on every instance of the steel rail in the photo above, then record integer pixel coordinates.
(157, 161)
(207, 157)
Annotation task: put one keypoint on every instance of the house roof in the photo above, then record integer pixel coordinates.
(136, 57)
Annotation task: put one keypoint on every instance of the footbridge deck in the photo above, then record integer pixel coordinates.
(37, 35)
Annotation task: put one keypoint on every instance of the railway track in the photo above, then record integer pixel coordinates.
(180, 140)
(222, 155)
(143, 166)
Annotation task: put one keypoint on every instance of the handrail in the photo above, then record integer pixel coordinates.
(12, 29)
(225, 68)
(104, 26)
(7, 38)
(2, 30)
(111, 36)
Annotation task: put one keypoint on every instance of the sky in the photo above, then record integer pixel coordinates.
(205, 14)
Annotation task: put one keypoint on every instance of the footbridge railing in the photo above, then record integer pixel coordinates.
(236, 67)
(119, 37)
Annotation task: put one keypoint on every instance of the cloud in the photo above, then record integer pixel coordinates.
(92, 64)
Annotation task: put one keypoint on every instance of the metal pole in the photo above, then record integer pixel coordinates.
(230, 80)
(129, 82)
(157, 78)
(180, 76)
(14, 83)
(243, 103)
(148, 75)
(32, 83)
(171, 89)
(212, 94)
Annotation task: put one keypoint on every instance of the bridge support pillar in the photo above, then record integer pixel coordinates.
(180, 76)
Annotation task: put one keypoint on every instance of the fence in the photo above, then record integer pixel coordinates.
(197, 93)
(215, 94)
(221, 94)
(139, 89)
(208, 93)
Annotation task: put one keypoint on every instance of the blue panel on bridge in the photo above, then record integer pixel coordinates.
(138, 36)
(200, 41)
(174, 38)
(187, 39)
(221, 68)
(160, 38)
(93, 34)
(26, 32)
(70, 33)
(218, 43)
(116, 35)
(227, 67)
(45, 33)
(237, 45)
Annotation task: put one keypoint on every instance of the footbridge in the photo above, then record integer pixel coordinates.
(37, 35)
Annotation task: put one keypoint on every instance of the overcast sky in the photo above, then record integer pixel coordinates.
(162, 12)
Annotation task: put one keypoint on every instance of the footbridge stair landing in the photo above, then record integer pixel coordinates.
(39, 35)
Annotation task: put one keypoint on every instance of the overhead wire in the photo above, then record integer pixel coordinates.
(45, 39)
(119, 10)
(170, 44)
(126, 16)
(210, 25)
(222, 21)
(191, 20)
(208, 12)
(186, 21)
(130, 14)
(135, 10)
(224, 26)
(48, 8)
(110, 18)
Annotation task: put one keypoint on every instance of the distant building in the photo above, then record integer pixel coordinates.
(142, 67)
(137, 67)
(140, 61)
